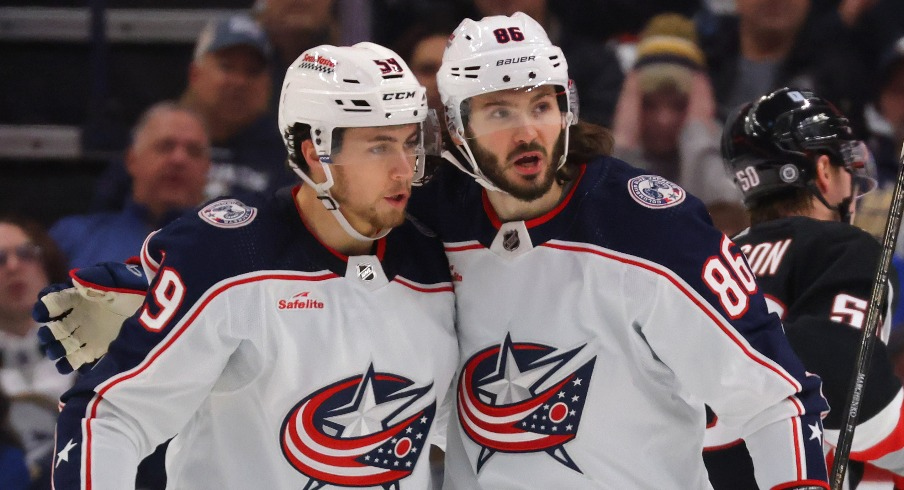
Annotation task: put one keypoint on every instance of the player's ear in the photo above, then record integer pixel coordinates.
(823, 173)
(309, 153)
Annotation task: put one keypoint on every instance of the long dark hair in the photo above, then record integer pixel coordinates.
(586, 141)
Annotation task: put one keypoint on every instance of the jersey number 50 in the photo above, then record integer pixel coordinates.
(733, 283)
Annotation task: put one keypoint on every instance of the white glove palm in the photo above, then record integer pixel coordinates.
(83, 318)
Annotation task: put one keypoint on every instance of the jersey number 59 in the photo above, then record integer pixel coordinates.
(168, 295)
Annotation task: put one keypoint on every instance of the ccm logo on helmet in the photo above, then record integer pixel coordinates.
(511, 61)
(398, 96)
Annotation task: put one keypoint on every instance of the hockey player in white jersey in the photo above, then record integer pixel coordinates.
(597, 307)
(292, 342)
(796, 159)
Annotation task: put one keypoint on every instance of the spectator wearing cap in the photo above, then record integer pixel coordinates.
(664, 118)
(229, 86)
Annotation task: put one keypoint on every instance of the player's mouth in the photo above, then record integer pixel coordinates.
(399, 200)
(530, 163)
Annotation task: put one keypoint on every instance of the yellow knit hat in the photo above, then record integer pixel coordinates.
(668, 54)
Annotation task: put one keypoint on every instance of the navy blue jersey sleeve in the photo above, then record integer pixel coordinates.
(118, 412)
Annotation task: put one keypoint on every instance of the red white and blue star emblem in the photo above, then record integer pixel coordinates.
(363, 431)
(523, 398)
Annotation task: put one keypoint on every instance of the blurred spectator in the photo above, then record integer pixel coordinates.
(885, 116)
(774, 43)
(618, 18)
(229, 85)
(422, 47)
(168, 162)
(29, 261)
(664, 120)
(870, 25)
(13, 468)
(293, 26)
(592, 64)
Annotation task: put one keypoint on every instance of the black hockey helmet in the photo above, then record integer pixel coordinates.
(772, 144)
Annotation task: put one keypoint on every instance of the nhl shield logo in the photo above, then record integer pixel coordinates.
(366, 272)
(228, 213)
(655, 192)
(510, 240)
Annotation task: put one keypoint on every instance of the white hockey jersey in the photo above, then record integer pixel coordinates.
(275, 361)
(591, 337)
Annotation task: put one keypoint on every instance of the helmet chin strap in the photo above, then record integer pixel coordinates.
(479, 176)
(843, 208)
(331, 205)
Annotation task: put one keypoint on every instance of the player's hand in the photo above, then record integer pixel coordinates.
(83, 316)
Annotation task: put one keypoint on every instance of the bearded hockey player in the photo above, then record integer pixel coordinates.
(794, 156)
(598, 309)
(293, 342)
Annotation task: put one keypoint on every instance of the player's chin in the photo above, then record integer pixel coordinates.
(391, 218)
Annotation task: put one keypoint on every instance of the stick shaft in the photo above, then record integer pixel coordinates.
(868, 336)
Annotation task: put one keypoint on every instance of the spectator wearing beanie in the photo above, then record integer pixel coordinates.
(665, 116)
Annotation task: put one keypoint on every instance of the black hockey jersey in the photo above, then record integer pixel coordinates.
(817, 276)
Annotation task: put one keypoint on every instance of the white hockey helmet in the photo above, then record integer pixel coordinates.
(500, 53)
(330, 87)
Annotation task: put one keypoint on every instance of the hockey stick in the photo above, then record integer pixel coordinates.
(867, 337)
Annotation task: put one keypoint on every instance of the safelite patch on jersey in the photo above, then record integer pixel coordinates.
(228, 213)
(655, 192)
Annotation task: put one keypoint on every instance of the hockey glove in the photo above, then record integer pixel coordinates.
(81, 317)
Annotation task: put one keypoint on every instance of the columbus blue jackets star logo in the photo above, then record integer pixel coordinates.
(363, 431)
(523, 398)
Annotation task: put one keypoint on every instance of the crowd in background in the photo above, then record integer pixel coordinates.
(662, 75)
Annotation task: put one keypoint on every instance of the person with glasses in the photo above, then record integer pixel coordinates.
(29, 261)
(796, 159)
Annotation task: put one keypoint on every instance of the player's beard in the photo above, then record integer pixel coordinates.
(537, 185)
(378, 219)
